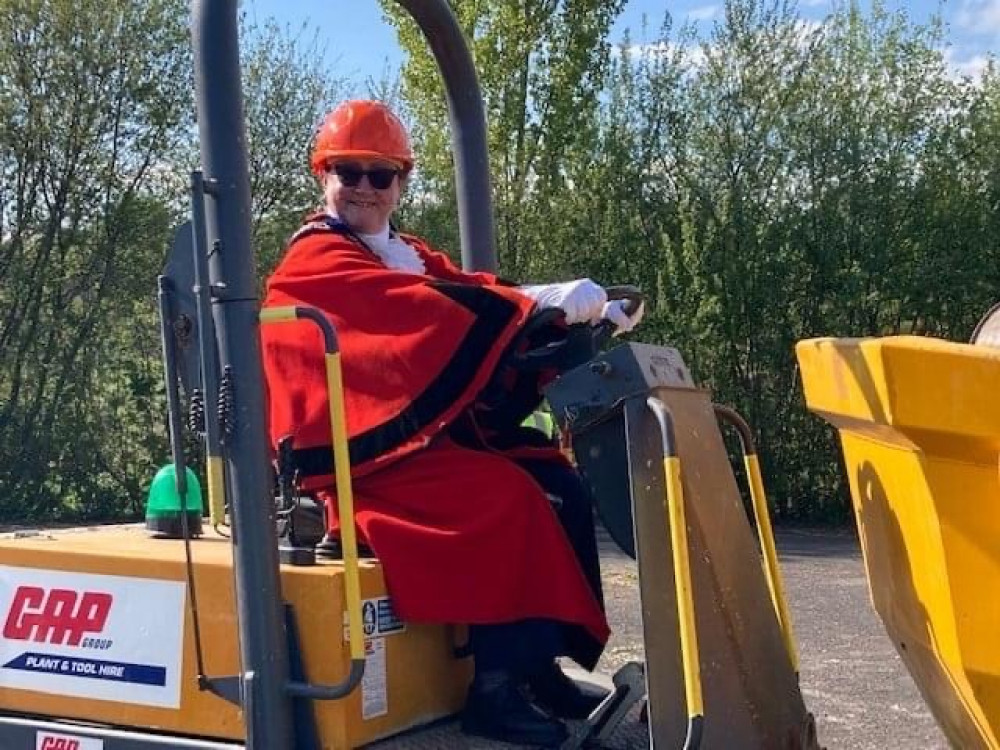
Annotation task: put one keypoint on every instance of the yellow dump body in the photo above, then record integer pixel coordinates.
(97, 626)
(919, 421)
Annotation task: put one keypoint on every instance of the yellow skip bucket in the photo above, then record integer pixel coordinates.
(919, 422)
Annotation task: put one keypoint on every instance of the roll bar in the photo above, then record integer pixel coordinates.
(219, 100)
(468, 130)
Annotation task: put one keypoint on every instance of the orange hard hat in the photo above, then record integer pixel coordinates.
(361, 128)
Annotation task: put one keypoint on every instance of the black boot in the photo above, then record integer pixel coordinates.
(500, 711)
(557, 693)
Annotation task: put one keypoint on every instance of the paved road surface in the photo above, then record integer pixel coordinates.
(852, 679)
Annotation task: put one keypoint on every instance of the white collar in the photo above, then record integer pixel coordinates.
(379, 241)
(392, 251)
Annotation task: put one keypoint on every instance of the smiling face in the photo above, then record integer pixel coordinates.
(355, 200)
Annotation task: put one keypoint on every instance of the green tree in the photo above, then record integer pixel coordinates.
(95, 101)
(542, 66)
(773, 181)
(287, 89)
(96, 141)
(880, 223)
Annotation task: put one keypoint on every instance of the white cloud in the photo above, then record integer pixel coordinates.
(651, 49)
(979, 16)
(813, 3)
(703, 13)
(965, 67)
(692, 54)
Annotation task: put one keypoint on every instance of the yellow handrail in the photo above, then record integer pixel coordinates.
(677, 529)
(341, 462)
(762, 517)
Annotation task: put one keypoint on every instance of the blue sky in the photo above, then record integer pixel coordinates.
(363, 46)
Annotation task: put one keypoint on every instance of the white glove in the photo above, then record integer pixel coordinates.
(615, 312)
(582, 300)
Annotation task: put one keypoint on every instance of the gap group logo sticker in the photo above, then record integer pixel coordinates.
(91, 636)
(52, 741)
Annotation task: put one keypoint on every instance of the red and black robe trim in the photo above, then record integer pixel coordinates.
(493, 315)
(417, 348)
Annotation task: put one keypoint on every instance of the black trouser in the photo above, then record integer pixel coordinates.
(522, 647)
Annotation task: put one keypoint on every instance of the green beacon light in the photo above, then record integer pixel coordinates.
(163, 508)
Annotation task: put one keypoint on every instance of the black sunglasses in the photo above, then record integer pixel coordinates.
(350, 175)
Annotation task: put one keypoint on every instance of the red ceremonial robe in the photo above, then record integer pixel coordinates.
(464, 535)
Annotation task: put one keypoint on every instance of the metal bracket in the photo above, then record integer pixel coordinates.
(629, 689)
(227, 688)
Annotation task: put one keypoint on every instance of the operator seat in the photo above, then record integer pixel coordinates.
(301, 515)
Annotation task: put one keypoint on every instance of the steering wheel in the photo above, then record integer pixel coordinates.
(578, 343)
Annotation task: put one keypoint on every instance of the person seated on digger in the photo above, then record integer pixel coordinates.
(475, 519)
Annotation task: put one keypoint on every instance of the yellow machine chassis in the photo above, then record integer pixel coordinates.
(919, 421)
(419, 655)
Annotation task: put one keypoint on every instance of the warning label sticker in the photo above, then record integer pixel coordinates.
(374, 691)
(377, 618)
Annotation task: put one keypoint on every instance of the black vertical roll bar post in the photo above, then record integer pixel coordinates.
(267, 707)
(219, 100)
(468, 130)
